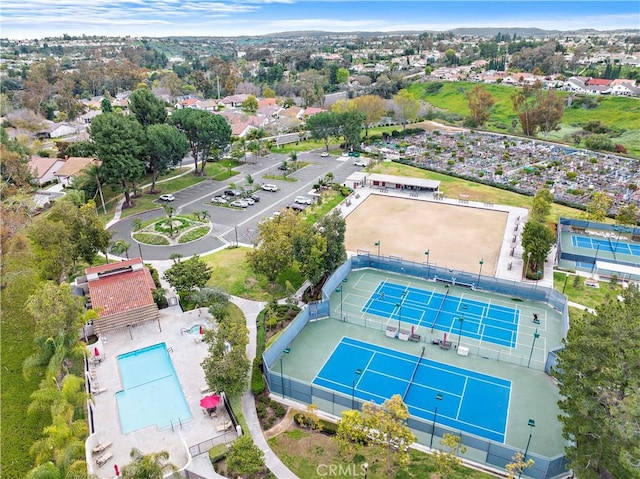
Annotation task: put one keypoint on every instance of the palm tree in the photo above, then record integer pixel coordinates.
(175, 257)
(137, 224)
(121, 246)
(148, 466)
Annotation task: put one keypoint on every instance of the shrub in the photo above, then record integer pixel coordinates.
(257, 380)
(218, 453)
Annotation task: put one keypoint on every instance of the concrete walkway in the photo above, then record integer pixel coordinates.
(251, 309)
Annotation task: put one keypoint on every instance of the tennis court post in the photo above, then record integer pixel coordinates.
(435, 416)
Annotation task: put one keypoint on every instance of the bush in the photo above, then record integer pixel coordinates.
(218, 453)
(159, 298)
(258, 384)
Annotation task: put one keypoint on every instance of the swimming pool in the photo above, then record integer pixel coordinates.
(151, 393)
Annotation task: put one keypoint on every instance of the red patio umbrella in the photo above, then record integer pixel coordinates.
(210, 401)
(115, 466)
(96, 352)
(201, 329)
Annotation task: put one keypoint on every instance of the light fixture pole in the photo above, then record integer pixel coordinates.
(399, 306)
(536, 335)
(461, 319)
(435, 417)
(358, 372)
(538, 276)
(366, 469)
(285, 351)
(531, 425)
(377, 243)
(479, 273)
(426, 253)
(339, 290)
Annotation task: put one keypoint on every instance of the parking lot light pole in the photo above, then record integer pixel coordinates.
(531, 425)
(285, 351)
(435, 417)
(538, 276)
(461, 319)
(377, 243)
(479, 273)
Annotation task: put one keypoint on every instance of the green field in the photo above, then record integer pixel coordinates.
(615, 112)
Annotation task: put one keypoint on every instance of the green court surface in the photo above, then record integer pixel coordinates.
(533, 394)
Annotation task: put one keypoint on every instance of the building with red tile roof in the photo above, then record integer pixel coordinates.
(121, 295)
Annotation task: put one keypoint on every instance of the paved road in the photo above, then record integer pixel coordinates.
(230, 225)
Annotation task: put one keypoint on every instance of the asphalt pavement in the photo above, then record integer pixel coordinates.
(231, 226)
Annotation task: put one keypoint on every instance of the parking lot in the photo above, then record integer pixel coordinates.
(239, 224)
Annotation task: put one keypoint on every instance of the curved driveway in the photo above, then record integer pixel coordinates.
(229, 225)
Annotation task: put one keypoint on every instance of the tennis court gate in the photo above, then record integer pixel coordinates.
(479, 449)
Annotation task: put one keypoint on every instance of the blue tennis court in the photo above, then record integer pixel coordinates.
(483, 321)
(472, 402)
(605, 245)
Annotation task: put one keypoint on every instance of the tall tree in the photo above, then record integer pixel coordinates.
(537, 240)
(205, 132)
(550, 110)
(166, 147)
(627, 214)
(523, 104)
(323, 126)
(351, 126)
(541, 206)
(189, 274)
(406, 107)
(373, 108)
(154, 465)
(333, 228)
(599, 385)
(480, 102)
(245, 458)
(598, 206)
(120, 144)
(147, 108)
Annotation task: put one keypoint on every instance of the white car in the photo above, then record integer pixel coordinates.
(360, 163)
(303, 200)
(324, 154)
(239, 204)
(249, 200)
(167, 197)
(219, 199)
(269, 187)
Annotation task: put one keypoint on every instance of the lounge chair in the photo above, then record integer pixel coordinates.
(224, 426)
(101, 447)
(102, 460)
(204, 389)
(98, 390)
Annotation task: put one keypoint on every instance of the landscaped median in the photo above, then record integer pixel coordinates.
(172, 230)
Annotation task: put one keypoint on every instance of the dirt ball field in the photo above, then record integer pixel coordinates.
(457, 237)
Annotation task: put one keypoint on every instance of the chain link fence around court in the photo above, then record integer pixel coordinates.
(479, 449)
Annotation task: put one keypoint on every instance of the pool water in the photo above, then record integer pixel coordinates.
(151, 392)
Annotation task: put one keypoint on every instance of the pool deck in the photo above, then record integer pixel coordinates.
(186, 354)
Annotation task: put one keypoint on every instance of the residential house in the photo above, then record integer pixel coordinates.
(44, 169)
(71, 167)
(56, 130)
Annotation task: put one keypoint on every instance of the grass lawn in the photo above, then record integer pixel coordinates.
(303, 453)
(452, 187)
(233, 274)
(584, 295)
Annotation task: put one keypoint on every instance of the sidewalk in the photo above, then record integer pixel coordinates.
(251, 309)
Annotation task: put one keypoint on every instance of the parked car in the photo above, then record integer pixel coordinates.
(324, 154)
(360, 163)
(249, 200)
(167, 197)
(269, 187)
(219, 199)
(239, 204)
(283, 167)
(255, 198)
(303, 200)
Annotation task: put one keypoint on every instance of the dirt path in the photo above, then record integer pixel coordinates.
(285, 423)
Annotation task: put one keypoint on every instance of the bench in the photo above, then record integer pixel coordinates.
(444, 344)
(390, 332)
(463, 351)
(415, 338)
(404, 335)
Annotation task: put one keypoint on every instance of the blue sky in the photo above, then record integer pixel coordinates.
(157, 18)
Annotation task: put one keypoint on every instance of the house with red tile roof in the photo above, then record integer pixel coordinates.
(598, 82)
(312, 111)
(121, 295)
